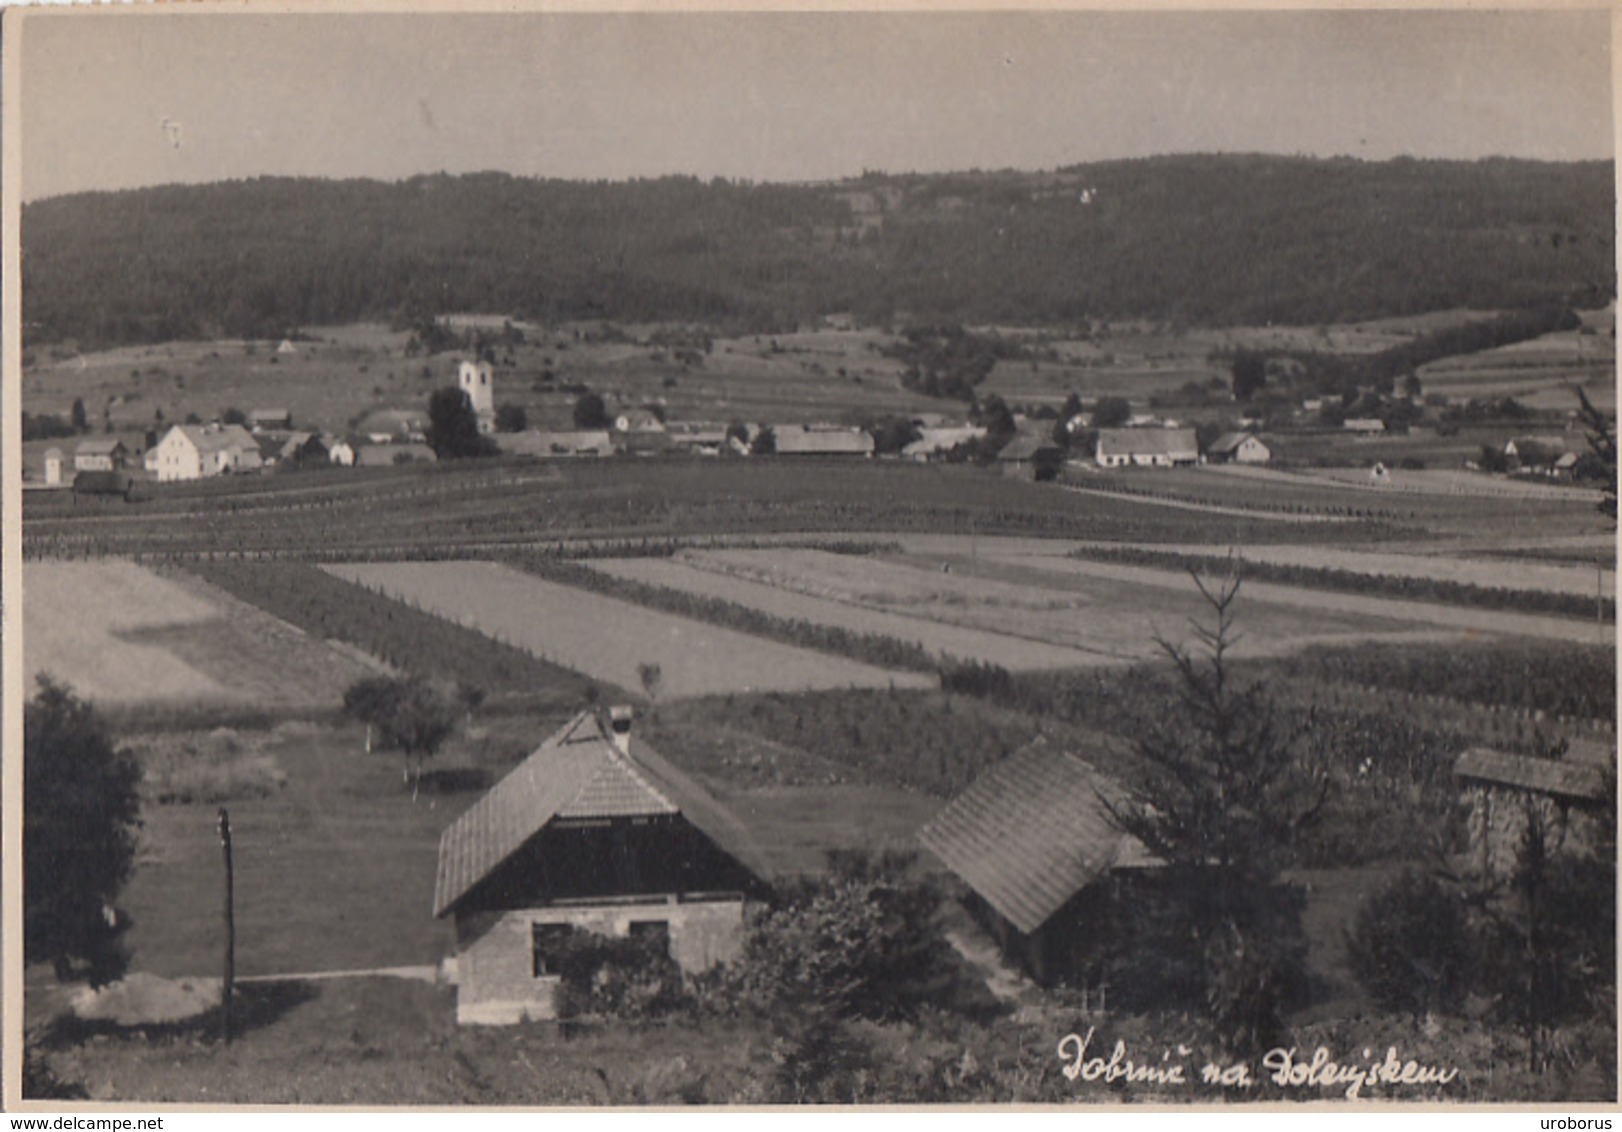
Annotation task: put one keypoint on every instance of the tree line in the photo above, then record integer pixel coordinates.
(1302, 241)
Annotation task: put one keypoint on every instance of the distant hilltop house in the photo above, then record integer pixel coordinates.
(1033, 840)
(593, 832)
(477, 380)
(100, 454)
(821, 440)
(1569, 796)
(1147, 447)
(189, 452)
(549, 445)
(264, 420)
(933, 443)
(1238, 448)
(389, 426)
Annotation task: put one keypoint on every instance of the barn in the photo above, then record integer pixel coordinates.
(1029, 456)
(1147, 447)
(1034, 842)
(593, 832)
(1238, 448)
(100, 454)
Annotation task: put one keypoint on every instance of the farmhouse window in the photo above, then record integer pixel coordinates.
(654, 933)
(546, 941)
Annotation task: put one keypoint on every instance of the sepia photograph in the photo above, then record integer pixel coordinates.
(585, 558)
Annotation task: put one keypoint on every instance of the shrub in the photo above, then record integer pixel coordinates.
(618, 977)
(1412, 947)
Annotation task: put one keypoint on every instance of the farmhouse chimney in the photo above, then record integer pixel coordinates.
(619, 722)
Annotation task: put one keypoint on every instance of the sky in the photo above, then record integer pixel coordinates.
(117, 99)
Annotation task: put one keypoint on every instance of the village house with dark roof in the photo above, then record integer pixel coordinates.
(594, 831)
(1238, 448)
(1035, 843)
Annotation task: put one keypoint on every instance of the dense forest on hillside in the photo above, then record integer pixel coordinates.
(1200, 240)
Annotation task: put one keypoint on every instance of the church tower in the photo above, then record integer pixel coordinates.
(477, 380)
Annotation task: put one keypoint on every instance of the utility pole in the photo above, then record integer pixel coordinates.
(230, 928)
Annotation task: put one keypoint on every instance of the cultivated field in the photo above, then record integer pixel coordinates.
(610, 639)
(1018, 615)
(120, 633)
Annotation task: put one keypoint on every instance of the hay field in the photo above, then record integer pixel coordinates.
(610, 639)
(119, 633)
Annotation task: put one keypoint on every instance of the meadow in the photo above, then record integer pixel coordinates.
(119, 633)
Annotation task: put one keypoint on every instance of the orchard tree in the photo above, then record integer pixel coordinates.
(511, 418)
(81, 422)
(81, 814)
(590, 412)
(1222, 792)
(1111, 412)
(408, 714)
(453, 426)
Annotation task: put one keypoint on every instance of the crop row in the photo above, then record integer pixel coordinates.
(1404, 586)
(404, 638)
(869, 648)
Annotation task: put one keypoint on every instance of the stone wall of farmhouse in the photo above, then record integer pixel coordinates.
(495, 979)
(1498, 819)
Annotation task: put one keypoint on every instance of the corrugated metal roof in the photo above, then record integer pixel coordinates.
(1031, 832)
(1559, 777)
(1174, 442)
(577, 773)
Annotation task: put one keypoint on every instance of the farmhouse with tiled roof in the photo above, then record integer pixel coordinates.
(189, 452)
(591, 832)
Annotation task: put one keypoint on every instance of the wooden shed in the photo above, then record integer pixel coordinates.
(1505, 790)
(1034, 842)
(592, 832)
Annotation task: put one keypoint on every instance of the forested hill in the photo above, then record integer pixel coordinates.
(1197, 240)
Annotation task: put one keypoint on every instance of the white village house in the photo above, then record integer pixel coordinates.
(100, 454)
(189, 452)
(477, 380)
(1146, 447)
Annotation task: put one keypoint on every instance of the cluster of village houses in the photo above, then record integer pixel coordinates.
(390, 436)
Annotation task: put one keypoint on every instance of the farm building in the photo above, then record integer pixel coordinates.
(1239, 448)
(557, 444)
(933, 443)
(1505, 791)
(341, 452)
(189, 452)
(1031, 456)
(699, 439)
(100, 454)
(477, 380)
(387, 455)
(1036, 846)
(1367, 426)
(821, 440)
(306, 448)
(593, 832)
(53, 467)
(262, 420)
(102, 483)
(1147, 447)
(638, 420)
(386, 426)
